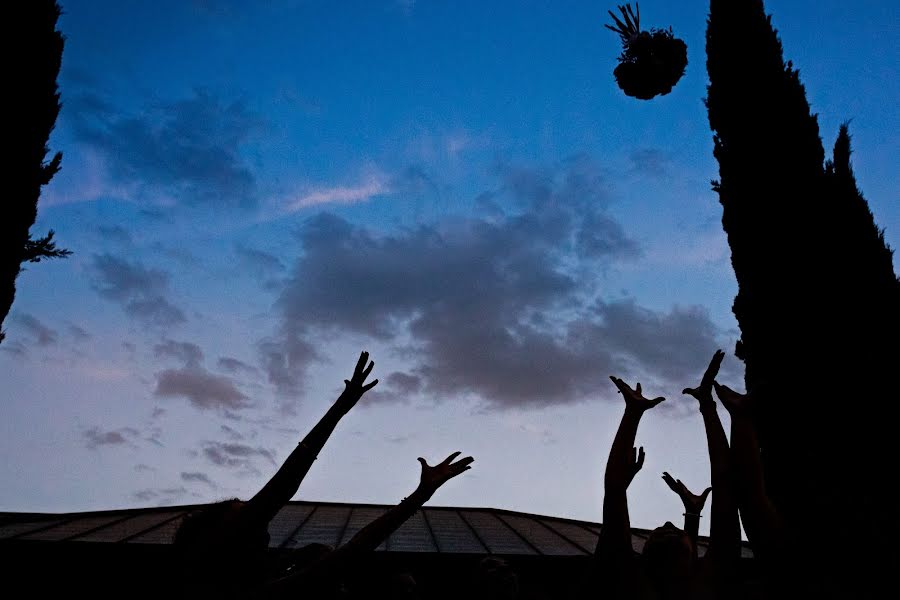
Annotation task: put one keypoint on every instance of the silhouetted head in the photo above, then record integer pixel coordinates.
(669, 555)
(496, 579)
(218, 546)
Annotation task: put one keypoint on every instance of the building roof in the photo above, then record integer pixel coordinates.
(460, 530)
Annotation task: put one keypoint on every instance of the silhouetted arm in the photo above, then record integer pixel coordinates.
(284, 484)
(622, 465)
(725, 525)
(761, 521)
(693, 506)
(372, 535)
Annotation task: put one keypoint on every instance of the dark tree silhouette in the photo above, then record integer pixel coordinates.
(817, 305)
(33, 99)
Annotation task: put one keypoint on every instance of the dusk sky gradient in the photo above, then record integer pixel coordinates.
(256, 191)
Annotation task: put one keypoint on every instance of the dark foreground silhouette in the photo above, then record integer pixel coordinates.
(223, 549)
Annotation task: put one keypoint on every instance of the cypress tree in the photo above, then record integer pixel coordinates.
(817, 304)
(33, 97)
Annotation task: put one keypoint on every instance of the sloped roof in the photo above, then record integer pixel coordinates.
(430, 529)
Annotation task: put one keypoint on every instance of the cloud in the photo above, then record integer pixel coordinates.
(257, 260)
(478, 296)
(185, 149)
(163, 496)
(232, 433)
(40, 333)
(141, 291)
(235, 366)
(142, 468)
(395, 388)
(201, 388)
(506, 309)
(116, 234)
(96, 437)
(372, 186)
(650, 161)
(189, 354)
(79, 334)
(235, 455)
(198, 477)
(14, 348)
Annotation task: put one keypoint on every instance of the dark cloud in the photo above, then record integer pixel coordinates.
(395, 388)
(157, 412)
(186, 352)
(502, 309)
(96, 437)
(40, 333)
(235, 366)
(258, 261)
(479, 296)
(198, 477)
(14, 348)
(232, 433)
(235, 455)
(204, 390)
(142, 468)
(650, 161)
(79, 334)
(187, 149)
(142, 291)
(161, 495)
(116, 234)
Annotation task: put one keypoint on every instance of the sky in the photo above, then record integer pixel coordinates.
(254, 192)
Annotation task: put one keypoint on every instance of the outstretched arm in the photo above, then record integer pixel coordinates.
(372, 535)
(724, 525)
(284, 484)
(693, 506)
(622, 465)
(761, 520)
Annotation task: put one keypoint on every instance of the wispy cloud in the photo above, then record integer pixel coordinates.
(372, 186)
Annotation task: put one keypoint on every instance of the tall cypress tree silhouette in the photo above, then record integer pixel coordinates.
(33, 105)
(817, 305)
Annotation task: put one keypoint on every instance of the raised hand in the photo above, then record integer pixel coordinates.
(735, 403)
(356, 386)
(693, 504)
(634, 400)
(703, 393)
(434, 477)
(637, 461)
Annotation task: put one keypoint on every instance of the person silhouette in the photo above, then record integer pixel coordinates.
(322, 573)
(668, 566)
(222, 548)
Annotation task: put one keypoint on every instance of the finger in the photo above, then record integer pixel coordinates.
(363, 357)
(450, 458)
(640, 461)
(368, 370)
(638, 388)
(423, 463)
(369, 386)
(618, 382)
(658, 400)
(690, 391)
(464, 461)
(705, 494)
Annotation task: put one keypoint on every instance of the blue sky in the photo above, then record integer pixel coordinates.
(255, 192)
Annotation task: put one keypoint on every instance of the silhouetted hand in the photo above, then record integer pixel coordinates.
(634, 400)
(693, 503)
(703, 393)
(735, 403)
(356, 386)
(434, 477)
(637, 461)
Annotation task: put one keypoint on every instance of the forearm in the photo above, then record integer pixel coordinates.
(286, 481)
(372, 535)
(621, 460)
(725, 525)
(761, 521)
(615, 536)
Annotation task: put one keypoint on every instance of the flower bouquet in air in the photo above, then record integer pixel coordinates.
(652, 61)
